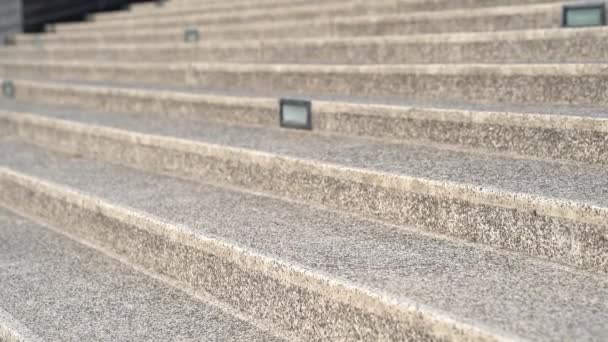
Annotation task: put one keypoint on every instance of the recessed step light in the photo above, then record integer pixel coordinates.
(191, 36)
(8, 89)
(296, 114)
(584, 15)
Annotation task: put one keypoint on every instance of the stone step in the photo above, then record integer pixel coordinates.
(547, 209)
(242, 5)
(320, 275)
(53, 288)
(575, 84)
(559, 133)
(140, 11)
(477, 20)
(307, 11)
(521, 46)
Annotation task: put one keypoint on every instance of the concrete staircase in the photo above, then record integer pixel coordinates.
(454, 185)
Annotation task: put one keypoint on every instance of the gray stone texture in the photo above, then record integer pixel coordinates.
(320, 266)
(555, 132)
(525, 46)
(309, 11)
(574, 84)
(453, 186)
(474, 20)
(499, 201)
(63, 291)
(227, 12)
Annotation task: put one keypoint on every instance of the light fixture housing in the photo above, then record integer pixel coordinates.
(191, 36)
(8, 89)
(295, 114)
(584, 15)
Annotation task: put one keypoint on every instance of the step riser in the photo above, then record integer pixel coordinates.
(551, 137)
(561, 231)
(548, 18)
(231, 17)
(575, 48)
(464, 86)
(255, 285)
(179, 107)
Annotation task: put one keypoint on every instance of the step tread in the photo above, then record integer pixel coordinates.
(495, 290)
(546, 179)
(62, 290)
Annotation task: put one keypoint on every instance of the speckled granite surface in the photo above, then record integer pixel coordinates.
(471, 20)
(210, 20)
(510, 295)
(499, 201)
(61, 290)
(576, 84)
(518, 175)
(274, 8)
(453, 188)
(553, 132)
(519, 46)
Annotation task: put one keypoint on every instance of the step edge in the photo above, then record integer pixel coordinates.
(552, 207)
(331, 287)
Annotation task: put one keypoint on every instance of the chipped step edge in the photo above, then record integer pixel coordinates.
(573, 227)
(387, 122)
(22, 192)
(12, 330)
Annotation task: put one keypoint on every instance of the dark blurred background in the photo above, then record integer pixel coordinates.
(33, 15)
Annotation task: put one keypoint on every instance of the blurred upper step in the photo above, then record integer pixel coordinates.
(529, 46)
(204, 19)
(171, 9)
(477, 20)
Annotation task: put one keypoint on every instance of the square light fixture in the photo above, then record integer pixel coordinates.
(584, 15)
(191, 36)
(8, 89)
(295, 114)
